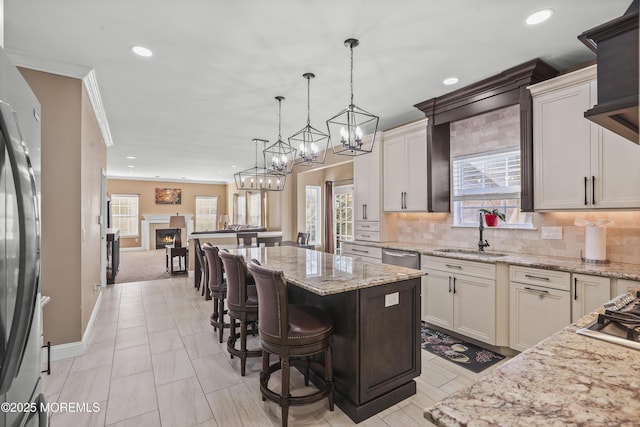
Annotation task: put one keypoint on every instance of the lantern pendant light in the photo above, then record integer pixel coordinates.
(311, 143)
(346, 129)
(259, 178)
(279, 157)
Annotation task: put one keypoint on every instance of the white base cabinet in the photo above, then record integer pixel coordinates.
(460, 296)
(539, 305)
(362, 253)
(588, 293)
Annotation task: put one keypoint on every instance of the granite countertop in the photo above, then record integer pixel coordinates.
(572, 265)
(323, 273)
(566, 380)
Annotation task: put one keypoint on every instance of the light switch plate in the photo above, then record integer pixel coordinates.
(551, 233)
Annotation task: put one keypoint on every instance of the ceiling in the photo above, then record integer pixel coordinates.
(191, 110)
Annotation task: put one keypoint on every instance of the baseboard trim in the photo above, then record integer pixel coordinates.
(77, 348)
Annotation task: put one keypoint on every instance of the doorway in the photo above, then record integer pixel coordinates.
(342, 216)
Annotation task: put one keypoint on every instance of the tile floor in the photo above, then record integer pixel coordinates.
(153, 360)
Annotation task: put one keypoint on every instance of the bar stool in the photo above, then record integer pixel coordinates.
(242, 303)
(217, 287)
(201, 273)
(293, 332)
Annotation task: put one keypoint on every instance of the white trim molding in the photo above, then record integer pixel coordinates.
(87, 74)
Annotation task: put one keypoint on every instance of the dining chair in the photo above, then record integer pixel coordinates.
(303, 238)
(246, 239)
(269, 241)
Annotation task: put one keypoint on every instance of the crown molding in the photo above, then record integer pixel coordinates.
(67, 69)
(169, 180)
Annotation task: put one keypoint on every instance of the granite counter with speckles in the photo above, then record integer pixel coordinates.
(566, 380)
(572, 265)
(323, 273)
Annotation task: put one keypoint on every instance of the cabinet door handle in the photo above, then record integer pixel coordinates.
(536, 290)
(575, 288)
(454, 284)
(586, 182)
(453, 266)
(449, 284)
(530, 276)
(402, 200)
(593, 190)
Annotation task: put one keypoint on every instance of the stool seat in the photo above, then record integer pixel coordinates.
(308, 325)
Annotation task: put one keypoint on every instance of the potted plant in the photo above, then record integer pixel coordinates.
(491, 216)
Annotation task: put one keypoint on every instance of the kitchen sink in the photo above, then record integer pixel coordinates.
(471, 252)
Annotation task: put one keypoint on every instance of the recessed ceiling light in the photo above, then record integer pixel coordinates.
(539, 16)
(450, 81)
(234, 166)
(130, 157)
(142, 51)
(130, 166)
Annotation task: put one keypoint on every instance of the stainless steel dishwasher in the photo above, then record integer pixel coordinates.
(401, 258)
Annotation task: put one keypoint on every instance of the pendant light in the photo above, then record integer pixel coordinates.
(311, 143)
(259, 178)
(279, 157)
(347, 128)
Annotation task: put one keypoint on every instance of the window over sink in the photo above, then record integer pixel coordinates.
(489, 180)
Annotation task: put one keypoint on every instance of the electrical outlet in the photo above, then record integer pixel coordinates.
(551, 233)
(432, 228)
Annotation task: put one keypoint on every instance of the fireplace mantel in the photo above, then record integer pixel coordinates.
(149, 219)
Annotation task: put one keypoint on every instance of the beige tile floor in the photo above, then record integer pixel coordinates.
(153, 360)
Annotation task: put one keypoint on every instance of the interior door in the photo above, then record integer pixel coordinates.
(342, 216)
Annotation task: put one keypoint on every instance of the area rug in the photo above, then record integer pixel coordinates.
(460, 352)
(136, 266)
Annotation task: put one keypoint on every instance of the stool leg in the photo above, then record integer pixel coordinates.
(221, 317)
(285, 391)
(232, 336)
(243, 346)
(306, 370)
(215, 313)
(265, 370)
(328, 374)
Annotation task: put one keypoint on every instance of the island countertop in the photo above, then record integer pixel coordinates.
(324, 274)
(566, 380)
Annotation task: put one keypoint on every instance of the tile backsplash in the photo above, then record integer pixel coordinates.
(623, 234)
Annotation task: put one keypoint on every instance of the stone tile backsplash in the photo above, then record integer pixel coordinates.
(623, 235)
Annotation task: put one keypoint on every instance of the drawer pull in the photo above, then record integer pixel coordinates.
(530, 276)
(365, 226)
(365, 235)
(360, 250)
(453, 266)
(536, 290)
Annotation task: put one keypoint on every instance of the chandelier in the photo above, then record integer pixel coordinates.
(259, 178)
(309, 140)
(279, 157)
(346, 128)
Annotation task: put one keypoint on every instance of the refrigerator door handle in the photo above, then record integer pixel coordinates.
(29, 252)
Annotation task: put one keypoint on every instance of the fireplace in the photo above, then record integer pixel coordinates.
(164, 236)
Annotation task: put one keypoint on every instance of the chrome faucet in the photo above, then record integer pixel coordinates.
(482, 243)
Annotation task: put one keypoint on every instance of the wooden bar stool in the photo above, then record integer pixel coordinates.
(242, 303)
(201, 272)
(217, 287)
(294, 333)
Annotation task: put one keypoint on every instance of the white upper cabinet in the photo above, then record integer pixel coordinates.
(577, 163)
(405, 168)
(367, 179)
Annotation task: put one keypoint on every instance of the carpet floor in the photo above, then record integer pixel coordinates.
(136, 266)
(462, 353)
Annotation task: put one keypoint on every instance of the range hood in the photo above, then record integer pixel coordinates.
(616, 46)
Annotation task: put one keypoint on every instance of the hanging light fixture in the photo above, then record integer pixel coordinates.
(259, 178)
(311, 143)
(279, 157)
(347, 128)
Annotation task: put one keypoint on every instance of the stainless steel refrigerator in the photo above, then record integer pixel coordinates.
(21, 398)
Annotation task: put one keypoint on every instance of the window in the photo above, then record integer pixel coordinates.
(312, 213)
(240, 211)
(124, 212)
(488, 180)
(343, 215)
(206, 213)
(254, 211)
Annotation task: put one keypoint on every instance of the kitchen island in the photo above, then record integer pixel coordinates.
(376, 322)
(566, 380)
